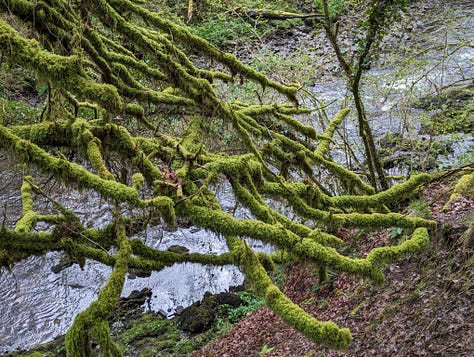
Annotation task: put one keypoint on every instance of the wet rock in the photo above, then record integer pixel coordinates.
(396, 159)
(138, 273)
(162, 313)
(179, 249)
(200, 316)
(453, 111)
(229, 299)
(197, 318)
(418, 153)
(132, 306)
(64, 263)
(236, 289)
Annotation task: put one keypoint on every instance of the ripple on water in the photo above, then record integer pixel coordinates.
(38, 305)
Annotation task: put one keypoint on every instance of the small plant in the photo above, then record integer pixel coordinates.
(222, 30)
(335, 7)
(323, 303)
(13, 112)
(265, 349)
(223, 326)
(250, 304)
(420, 208)
(395, 232)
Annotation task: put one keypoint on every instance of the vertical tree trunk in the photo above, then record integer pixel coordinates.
(354, 73)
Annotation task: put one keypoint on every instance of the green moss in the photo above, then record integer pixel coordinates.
(92, 323)
(104, 67)
(137, 181)
(69, 172)
(323, 146)
(382, 220)
(169, 258)
(464, 186)
(394, 194)
(327, 333)
(29, 217)
(385, 255)
(322, 332)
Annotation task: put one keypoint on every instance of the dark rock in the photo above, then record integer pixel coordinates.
(230, 299)
(179, 249)
(197, 318)
(139, 295)
(64, 263)
(200, 316)
(142, 273)
(131, 307)
(162, 313)
(138, 273)
(236, 289)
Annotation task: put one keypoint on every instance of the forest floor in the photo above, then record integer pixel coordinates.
(424, 308)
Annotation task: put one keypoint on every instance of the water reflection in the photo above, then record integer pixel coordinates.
(38, 305)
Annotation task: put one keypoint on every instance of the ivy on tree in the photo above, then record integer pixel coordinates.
(110, 62)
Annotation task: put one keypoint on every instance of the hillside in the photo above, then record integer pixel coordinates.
(425, 307)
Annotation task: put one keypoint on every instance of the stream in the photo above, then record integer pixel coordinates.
(37, 305)
(437, 52)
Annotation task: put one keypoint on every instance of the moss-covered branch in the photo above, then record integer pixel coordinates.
(92, 323)
(321, 332)
(133, 115)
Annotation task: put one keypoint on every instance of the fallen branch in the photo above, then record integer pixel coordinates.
(275, 15)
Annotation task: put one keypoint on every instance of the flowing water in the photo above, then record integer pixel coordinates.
(435, 54)
(37, 305)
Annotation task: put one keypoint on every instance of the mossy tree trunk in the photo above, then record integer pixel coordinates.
(380, 15)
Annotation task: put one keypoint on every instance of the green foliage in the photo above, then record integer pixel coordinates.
(150, 326)
(466, 158)
(223, 326)
(265, 350)
(420, 208)
(335, 7)
(223, 23)
(151, 335)
(17, 112)
(16, 82)
(454, 110)
(323, 303)
(250, 304)
(224, 31)
(395, 233)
